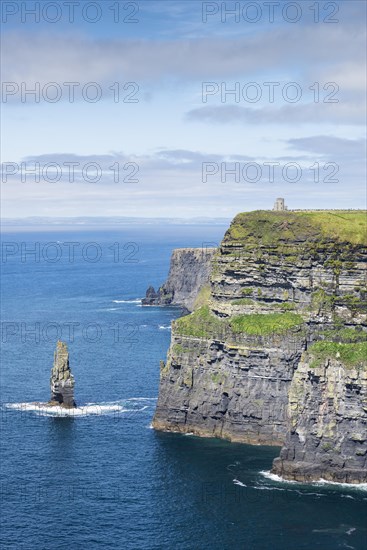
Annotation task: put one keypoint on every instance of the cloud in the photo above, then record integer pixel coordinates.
(43, 57)
(170, 183)
(164, 165)
(171, 53)
(337, 113)
(347, 149)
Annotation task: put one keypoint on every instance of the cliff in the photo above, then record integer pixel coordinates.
(280, 283)
(327, 429)
(188, 274)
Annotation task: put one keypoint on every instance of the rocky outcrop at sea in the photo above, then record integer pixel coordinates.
(62, 381)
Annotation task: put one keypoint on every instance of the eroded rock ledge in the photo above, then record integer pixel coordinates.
(275, 352)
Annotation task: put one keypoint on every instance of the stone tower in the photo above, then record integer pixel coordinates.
(62, 381)
(279, 205)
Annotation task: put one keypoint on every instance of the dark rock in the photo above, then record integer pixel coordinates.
(327, 435)
(151, 297)
(62, 381)
(189, 273)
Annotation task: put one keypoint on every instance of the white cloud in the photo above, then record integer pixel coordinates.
(337, 113)
(170, 184)
(171, 60)
(60, 58)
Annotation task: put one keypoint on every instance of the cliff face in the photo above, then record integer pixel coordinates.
(188, 274)
(279, 282)
(227, 388)
(327, 430)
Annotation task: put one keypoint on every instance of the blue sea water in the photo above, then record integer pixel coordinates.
(103, 478)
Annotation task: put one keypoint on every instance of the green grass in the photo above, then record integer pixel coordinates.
(345, 335)
(351, 355)
(265, 324)
(243, 302)
(204, 324)
(285, 306)
(321, 300)
(200, 324)
(177, 349)
(354, 303)
(247, 291)
(342, 225)
(273, 228)
(202, 299)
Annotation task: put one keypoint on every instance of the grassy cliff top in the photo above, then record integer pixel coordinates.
(269, 227)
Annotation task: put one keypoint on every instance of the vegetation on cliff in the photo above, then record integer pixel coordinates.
(271, 228)
(351, 355)
(200, 324)
(345, 335)
(203, 324)
(265, 324)
(203, 297)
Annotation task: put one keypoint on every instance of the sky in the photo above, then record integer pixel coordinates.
(165, 108)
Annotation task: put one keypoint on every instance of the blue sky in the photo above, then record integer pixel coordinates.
(170, 133)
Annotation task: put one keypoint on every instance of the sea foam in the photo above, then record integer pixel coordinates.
(134, 301)
(89, 409)
(275, 477)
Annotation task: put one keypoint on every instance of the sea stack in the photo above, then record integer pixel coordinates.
(62, 381)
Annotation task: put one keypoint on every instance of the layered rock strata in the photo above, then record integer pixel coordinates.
(280, 283)
(327, 427)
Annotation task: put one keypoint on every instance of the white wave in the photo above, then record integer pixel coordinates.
(89, 409)
(275, 477)
(164, 327)
(141, 399)
(361, 486)
(134, 301)
(267, 488)
(237, 482)
(46, 410)
(341, 529)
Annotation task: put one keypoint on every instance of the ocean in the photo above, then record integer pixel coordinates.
(101, 477)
